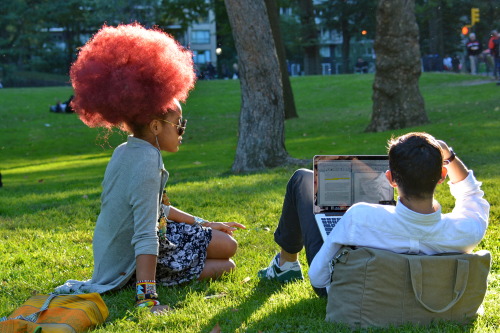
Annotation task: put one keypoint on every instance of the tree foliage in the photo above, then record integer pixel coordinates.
(28, 40)
(25, 42)
(440, 23)
(351, 18)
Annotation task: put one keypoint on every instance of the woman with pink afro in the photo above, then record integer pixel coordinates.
(133, 78)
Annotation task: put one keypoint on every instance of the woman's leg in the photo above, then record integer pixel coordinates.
(222, 246)
(214, 268)
(219, 251)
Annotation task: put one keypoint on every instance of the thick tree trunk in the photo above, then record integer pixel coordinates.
(397, 102)
(273, 14)
(261, 142)
(309, 32)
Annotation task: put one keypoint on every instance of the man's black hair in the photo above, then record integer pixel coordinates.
(415, 161)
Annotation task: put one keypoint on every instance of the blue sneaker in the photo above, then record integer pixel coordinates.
(288, 272)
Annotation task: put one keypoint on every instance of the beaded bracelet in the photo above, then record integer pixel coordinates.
(147, 303)
(142, 297)
(146, 293)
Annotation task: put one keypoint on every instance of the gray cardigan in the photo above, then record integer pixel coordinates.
(127, 224)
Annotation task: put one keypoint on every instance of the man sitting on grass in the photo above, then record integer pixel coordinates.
(417, 163)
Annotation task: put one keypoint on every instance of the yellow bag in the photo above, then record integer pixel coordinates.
(57, 314)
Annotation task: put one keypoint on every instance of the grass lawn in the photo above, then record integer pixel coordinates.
(52, 167)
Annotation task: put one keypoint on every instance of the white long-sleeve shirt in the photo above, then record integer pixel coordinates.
(401, 230)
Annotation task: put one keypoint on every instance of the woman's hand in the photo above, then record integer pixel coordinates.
(160, 309)
(227, 227)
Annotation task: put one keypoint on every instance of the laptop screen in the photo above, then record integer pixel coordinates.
(341, 181)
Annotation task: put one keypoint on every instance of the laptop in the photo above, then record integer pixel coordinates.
(343, 180)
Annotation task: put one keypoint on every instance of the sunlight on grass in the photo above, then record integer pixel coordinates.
(62, 164)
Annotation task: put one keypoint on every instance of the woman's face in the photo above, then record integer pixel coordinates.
(170, 137)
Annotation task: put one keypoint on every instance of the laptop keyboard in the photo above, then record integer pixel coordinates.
(330, 222)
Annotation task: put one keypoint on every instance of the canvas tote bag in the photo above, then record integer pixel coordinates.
(54, 313)
(372, 287)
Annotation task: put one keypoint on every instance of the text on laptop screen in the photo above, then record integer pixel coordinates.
(345, 180)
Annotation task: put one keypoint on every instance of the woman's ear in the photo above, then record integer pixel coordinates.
(388, 175)
(155, 126)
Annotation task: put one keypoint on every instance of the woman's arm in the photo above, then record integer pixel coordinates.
(178, 215)
(146, 271)
(145, 267)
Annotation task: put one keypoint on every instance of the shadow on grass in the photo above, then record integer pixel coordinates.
(235, 316)
(305, 315)
(121, 301)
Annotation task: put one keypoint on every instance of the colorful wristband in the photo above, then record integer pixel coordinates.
(147, 303)
(146, 293)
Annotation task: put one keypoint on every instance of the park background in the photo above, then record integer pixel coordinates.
(52, 167)
(39, 38)
(52, 164)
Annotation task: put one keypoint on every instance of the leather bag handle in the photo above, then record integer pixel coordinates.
(458, 290)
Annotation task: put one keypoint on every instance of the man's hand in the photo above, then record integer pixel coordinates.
(445, 149)
(457, 171)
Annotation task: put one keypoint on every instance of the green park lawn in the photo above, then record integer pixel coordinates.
(52, 167)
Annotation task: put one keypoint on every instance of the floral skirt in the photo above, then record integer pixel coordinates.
(182, 255)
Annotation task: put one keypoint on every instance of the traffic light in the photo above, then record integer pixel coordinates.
(474, 15)
(465, 30)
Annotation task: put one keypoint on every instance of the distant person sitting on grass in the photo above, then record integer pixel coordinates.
(132, 78)
(417, 163)
(361, 66)
(63, 107)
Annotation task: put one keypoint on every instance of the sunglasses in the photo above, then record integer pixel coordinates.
(181, 126)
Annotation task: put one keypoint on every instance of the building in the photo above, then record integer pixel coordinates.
(201, 38)
(330, 47)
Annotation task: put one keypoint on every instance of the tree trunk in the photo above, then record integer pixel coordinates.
(309, 32)
(261, 142)
(397, 102)
(70, 45)
(272, 11)
(346, 46)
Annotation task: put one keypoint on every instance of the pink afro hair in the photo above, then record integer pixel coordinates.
(129, 74)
